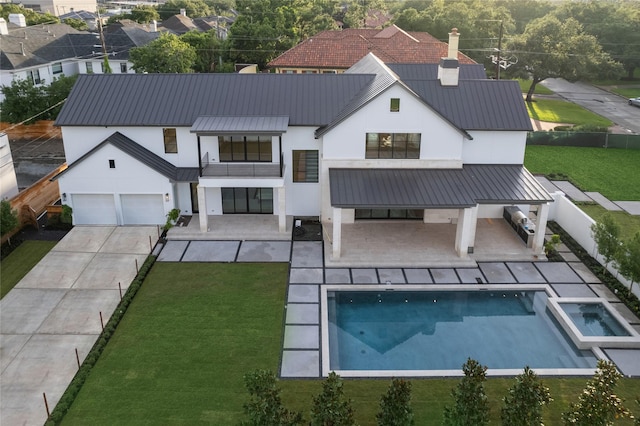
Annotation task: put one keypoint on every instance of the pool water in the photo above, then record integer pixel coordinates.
(439, 330)
(593, 319)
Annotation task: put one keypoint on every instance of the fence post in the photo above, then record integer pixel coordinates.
(101, 321)
(46, 404)
(77, 358)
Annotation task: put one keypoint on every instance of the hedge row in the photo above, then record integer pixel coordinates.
(621, 291)
(92, 357)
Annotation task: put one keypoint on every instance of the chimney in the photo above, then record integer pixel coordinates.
(18, 19)
(154, 26)
(22, 49)
(448, 69)
(183, 12)
(4, 29)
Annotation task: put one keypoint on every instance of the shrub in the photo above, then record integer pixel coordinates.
(471, 406)
(331, 408)
(395, 405)
(265, 406)
(8, 217)
(523, 405)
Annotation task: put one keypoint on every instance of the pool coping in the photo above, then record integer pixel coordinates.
(494, 372)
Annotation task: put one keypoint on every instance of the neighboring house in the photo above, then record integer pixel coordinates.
(60, 7)
(90, 18)
(336, 51)
(42, 53)
(436, 143)
(180, 24)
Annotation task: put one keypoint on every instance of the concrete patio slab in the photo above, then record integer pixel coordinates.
(625, 312)
(337, 276)
(85, 239)
(300, 364)
(603, 201)
(172, 251)
(571, 191)
(307, 254)
(79, 312)
(525, 272)
(22, 311)
(418, 276)
(546, 183)
(584, 272)
(558, 272)
(573, 290)
(444, 276)
(10, 346)
(569, 257)
(306, 276)
(131, 240)
(303, 313)
(603, 291)
(496, 273)
(627, 360)
(56, 270)
(303, 294)
(470, 275)
(562, 248)
(394, 276)
(301, 337)
(211, 251)
(46, 363)
(264, 251)
(631, 207)
(106, 270)
(364, 276)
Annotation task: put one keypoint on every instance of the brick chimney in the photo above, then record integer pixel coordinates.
(448, 69)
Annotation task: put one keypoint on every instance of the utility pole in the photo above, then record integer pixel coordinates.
(499, 50)
(107, 67)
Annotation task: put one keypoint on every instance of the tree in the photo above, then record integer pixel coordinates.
(8, 218)
(30, 16)
(395, 405)
(265, 406)
(471, 406)
(166, 54)
(209, 49)
(598, 405)
(628, 260)
(550, 48)
(23, 100)
(78, 24)
(523, 405)
(606, 234)
(331, 408)
(144, 14)
(193, 8)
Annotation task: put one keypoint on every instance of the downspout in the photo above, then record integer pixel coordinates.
(199, 158)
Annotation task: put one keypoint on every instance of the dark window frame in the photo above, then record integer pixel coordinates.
(389, 214)
(245, 149)
(247, 200)
(56, 68)
(112, 164)
(170, 138)
(305, 165)
(123, 67)
(34, 76)
(394, 105)
(392, 145)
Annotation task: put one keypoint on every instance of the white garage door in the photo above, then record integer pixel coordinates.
(142, 209)
(94, 209)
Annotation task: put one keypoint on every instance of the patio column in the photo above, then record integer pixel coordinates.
(337, 232)
(474, 225)
(541, 226)
(202, 207)
(463, 231)
(282, 210)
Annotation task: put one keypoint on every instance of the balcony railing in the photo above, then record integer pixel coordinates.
(240, 169)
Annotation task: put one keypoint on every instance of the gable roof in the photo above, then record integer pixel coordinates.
(341, 49)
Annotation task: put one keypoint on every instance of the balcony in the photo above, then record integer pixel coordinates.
(240, 169)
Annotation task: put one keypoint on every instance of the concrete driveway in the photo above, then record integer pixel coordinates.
(606, 104)
(55, 310)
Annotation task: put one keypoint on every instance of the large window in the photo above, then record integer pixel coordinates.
(170, 141)
(245, 148)
(56, 68)
(305, 166)
(389, 214)
(123, 67)
(34, 76)
(393, 145)
(89, 67)
(247, 200)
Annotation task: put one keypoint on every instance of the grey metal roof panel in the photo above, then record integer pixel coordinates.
(434, 188)
(179, 99)
(430, 71)
(240, 124)
(187, 174)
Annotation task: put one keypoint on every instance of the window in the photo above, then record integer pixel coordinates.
(34, 76)
(289, 71)
(393, 145)
(329, 72)
(112, 164)
(247, 200)
(389, 214)
(170, 141)
(123, 67)
(395, 105)
(252, 148)
(56, 68)
(305, 166)
(309, 72)
(102, 67)
(89, 67)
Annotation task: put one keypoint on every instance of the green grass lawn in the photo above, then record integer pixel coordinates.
(627, 92)
(20, 261)
(612, 172)
(540, 89)
(557, 111)
(629, 224)
(194, 330)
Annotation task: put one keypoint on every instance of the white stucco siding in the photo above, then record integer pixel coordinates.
(495, 147)
(79, 140)
(302, 198)
(439, 139)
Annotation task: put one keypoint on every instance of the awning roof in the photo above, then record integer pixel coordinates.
(435, 188)
(226, 125)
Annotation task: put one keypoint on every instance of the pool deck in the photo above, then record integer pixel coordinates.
(310, 270)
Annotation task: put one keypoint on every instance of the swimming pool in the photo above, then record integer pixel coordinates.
(376, 331)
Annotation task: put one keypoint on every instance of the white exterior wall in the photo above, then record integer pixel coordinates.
(8, 180)
(495, 147)
(182, 195)
(79, 140)
(302, 198)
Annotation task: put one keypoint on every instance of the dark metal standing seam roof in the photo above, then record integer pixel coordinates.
(435, 188)
(242, 124)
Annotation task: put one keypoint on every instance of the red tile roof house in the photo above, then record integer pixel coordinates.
(336, 51)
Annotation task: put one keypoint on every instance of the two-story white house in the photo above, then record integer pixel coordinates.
(435, 143)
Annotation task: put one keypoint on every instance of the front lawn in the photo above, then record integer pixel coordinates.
(194, 330)
(556, 111)
(16, 265)
(612, 172)
(629, 224)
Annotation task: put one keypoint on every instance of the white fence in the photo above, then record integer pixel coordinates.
(578, 224)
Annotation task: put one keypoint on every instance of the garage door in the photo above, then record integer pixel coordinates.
(142, 209)
(94, 209)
